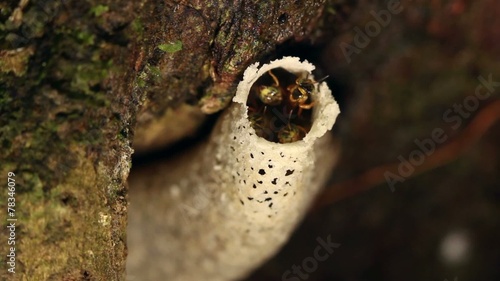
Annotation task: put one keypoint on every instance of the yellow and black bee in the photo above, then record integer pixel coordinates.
(301, 92)
(271, 95)
(277, 103)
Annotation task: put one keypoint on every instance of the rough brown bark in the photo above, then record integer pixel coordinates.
(73, 76)
(65, 129)
(194, 51)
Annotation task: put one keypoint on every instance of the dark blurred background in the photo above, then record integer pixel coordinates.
(412, 77)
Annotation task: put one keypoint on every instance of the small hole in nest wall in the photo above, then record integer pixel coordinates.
(283, 18)
(280, 105)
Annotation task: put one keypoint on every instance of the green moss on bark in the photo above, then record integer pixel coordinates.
(66, 116)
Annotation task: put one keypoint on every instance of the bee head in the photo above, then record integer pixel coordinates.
(270, 95)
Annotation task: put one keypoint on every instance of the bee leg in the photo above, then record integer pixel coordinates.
(302, 129)
(307, 106)
(290, 115)
(276, 81)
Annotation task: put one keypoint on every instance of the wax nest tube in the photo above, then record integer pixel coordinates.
(222, 210)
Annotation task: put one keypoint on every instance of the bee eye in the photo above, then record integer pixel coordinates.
(296, 94)
(309, 87)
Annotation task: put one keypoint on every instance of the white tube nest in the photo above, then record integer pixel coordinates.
(223, 210)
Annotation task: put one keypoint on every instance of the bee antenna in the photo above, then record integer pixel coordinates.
(322, 79)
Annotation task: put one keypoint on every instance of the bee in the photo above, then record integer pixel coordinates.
(275, 95)
(258, 123)
(291, 133)
(271, 95)
(302, 91)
